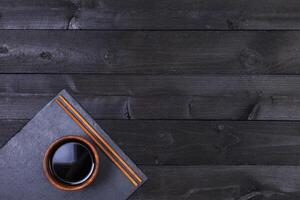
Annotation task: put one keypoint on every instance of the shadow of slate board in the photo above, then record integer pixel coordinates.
(21, 160)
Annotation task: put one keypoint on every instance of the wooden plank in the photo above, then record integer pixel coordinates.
(221, 183)
(149, 52)
(173, 142)
(147, 85)
(146, 14)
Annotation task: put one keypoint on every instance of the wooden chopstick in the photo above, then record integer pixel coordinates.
(100, 138)
(96, 141)
(103, 145)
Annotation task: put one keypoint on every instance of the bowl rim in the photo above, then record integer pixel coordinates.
(60, 185)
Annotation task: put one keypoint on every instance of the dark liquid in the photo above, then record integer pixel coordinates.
(72, 163)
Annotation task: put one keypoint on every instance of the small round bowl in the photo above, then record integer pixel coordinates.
(47, 163)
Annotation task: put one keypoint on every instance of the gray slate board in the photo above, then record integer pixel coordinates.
(21, 159)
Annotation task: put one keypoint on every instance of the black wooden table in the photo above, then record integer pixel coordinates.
(203, 94)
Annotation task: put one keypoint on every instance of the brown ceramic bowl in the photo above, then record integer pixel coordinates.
(71, 163)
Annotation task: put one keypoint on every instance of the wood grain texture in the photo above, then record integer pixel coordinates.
(147, 85)
(231, 107)
(179, 142)
(182, 86)
(157, 97)
(221, 183)
(150, 52)
(147, 14)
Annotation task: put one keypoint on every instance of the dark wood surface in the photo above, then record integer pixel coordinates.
(221, 182)
(150, 52)
(146, 14)
(203, 95)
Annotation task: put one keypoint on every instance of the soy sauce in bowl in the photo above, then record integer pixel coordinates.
(72, 163)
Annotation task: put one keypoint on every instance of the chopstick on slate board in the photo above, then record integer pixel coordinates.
(95, 136)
